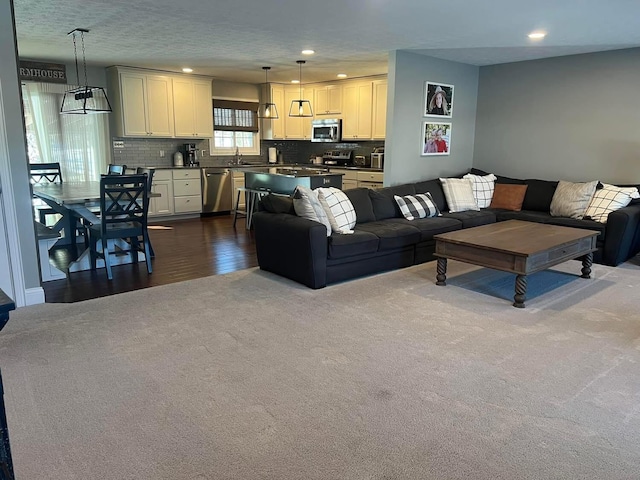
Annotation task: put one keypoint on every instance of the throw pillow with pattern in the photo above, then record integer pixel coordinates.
(482, 187)
(339, 209)
(307, 205)
(420, 205)
(459, 194)
(609, 199)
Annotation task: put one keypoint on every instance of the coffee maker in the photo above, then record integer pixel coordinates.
(190, 155)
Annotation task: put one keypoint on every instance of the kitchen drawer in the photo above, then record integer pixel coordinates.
(182, 173)
(190, 203)
(348, 174)
(371, 185)
(162, 174)
(370, 176)
(187, 187)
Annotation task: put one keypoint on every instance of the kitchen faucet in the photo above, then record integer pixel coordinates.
(238, 157)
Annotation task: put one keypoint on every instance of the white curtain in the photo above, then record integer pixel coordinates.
(80, 143)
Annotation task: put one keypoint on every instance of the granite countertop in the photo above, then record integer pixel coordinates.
(293, 166)
(284, 170)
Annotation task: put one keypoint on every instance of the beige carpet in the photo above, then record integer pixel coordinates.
(250, 376)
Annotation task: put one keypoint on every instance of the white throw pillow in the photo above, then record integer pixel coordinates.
(420, 205)
(339, 209)
(482, 187)
(609, 199)
(307, 205)
(459, 194)
(572, 199)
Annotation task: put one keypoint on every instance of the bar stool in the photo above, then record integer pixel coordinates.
(253, 196)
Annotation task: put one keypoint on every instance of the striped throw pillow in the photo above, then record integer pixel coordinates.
(459, 194)
(417, 206)
(339, 209)
(482, 187)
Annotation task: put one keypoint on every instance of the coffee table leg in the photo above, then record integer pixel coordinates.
(441, 277)
(521, 290)
(587, 261)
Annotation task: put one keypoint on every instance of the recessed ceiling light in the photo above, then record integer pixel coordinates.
(295, 81)
(537, 35)
(342, 75)
(187, 70)
(308, 52)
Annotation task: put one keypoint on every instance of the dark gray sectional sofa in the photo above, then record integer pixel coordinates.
(300, 250)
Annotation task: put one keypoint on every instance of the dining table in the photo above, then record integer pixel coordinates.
(73, 201)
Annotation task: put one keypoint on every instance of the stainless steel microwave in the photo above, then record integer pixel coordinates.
(326, 130)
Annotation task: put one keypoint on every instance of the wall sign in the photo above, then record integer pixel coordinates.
(42, 72)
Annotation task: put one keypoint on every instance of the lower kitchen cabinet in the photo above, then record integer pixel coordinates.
(349, 177)
(162, 184)
(187, 190)
(372, 180)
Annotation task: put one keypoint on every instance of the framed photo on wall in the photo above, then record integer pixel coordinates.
(438, 100)
(436, 138)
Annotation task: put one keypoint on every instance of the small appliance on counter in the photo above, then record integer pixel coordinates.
(338, 157)
(361, 161)
(377, 157)
(190, 155)
(273, 155)
(178, 160)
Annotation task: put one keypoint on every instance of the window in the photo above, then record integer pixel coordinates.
(235, 125)
(80, 143)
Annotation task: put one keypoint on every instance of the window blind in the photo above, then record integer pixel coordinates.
(229, 115)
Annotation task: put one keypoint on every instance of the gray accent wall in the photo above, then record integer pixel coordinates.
(408, 73)
(573, 118)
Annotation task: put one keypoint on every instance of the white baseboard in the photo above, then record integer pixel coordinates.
(34, 296)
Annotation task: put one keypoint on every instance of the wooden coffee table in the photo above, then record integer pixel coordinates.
(517, 247)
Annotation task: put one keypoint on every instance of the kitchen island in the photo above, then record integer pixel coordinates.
(284, 180)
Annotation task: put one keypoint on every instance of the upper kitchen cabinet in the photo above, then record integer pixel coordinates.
(273, 129)
(328, 100)
(297, 128)
(357, 110)
(379, 128)
(143, 103)
(192, 108)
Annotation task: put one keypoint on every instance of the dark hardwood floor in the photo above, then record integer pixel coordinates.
(185, 249)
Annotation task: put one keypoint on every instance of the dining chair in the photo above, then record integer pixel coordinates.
(116, 169)
(42, 173)
(124, 205)
(149, 172)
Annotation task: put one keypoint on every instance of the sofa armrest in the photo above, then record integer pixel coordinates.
(292, 246)
(622, 239)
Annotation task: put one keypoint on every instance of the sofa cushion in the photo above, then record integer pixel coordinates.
(420, 205)
(572, 199)
(277, 204)
(539, 195)
(361, 203)
(459, 194)
(384, 205)
(307, 205)
(358, 243)
(431, 226)
(434, 187)
(472, 218)
(508, 196)
(392, 234)
(609, 199)
(482, 186)
(338, 208)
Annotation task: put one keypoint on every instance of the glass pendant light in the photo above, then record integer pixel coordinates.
(85, 99)
(267, 109)
(300, 107)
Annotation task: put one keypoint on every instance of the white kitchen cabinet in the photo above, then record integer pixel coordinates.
(328, 100)
(238, 182)
(162, 184)
(143, 103)
(297, 128)
(193, 110)
(349, 177)
(379, 128)
(371, 180)
(357, 110)
(187, 190)
(273, 129)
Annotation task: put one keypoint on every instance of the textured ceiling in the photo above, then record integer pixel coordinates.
(233, 39)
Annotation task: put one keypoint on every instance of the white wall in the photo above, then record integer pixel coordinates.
(574, 118)
(408, 73)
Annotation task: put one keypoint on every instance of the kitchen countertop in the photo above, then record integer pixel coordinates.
(246, 166)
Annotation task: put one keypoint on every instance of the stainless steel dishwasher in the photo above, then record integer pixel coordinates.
(217, 185)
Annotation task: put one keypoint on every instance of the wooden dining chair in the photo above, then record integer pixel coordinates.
(124, 206)
(116, 169)
(42, 173)
(149, 172)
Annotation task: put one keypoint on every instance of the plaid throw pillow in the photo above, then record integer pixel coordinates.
(609, 199)
(459, 194)
(482, 188)
(339, 209)
(417, 206)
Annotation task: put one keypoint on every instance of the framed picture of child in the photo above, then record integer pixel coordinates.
(438, 100)
(437, 138)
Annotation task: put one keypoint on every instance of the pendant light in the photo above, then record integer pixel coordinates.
(267, 109)
(300, 107)
(84, 99)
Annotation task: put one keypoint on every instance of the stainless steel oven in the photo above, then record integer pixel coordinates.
(326, 130)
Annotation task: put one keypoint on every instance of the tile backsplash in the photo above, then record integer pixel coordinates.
(142, 152)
